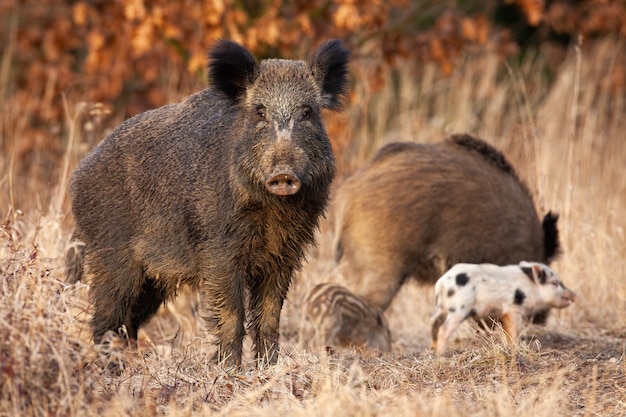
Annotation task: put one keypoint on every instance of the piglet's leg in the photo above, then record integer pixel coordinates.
(451, 323)
(511, 323)
(435, 323)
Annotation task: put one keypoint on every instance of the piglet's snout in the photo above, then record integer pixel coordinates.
(564, 299)
(570, 296)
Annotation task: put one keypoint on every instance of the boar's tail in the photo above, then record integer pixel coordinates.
(551, 245)
(487, 151)
(75, 259)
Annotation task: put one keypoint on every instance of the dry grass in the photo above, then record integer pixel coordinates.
(566, 140)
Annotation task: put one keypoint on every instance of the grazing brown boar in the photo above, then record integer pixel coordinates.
(417, 209)
(221, 192)
(333, 316)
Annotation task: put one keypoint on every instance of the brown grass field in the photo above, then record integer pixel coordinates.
(567, 140)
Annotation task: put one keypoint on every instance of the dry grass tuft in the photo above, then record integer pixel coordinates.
(566, 140)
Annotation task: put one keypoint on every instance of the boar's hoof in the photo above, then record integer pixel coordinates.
(283, 183)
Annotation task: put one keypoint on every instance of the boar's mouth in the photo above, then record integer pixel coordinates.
(283, 183)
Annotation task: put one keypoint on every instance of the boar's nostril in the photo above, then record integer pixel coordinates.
(283, 184)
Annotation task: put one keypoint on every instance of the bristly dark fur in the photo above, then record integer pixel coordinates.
(392, 149)
(179, 195)
(487, 151)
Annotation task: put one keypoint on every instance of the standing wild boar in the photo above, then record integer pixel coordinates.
(221, 192)
(417, 209)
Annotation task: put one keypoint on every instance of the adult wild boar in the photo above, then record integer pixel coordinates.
(221, 192)
(417, 209)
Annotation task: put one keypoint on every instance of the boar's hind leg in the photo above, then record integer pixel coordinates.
(266, 302)
(146, 303)
(114, 292)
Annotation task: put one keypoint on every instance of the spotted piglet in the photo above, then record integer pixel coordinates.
(503, 293)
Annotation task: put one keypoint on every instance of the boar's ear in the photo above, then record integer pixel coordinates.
(329, 66)
(231, 68)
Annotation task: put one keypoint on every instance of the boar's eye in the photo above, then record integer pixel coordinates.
(306, 113)
(260, 114)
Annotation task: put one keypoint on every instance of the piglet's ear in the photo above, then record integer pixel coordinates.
(539, 274)
(527, 269)
(232, 68)
(329, 66)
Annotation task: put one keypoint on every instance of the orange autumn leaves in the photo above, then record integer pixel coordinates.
(134, 53)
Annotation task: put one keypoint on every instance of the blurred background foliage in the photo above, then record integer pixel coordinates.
(87, 64)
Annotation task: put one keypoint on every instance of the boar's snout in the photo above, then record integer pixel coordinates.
(283, 182)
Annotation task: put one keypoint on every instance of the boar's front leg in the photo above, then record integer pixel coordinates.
(266, 301)
(223, 312)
